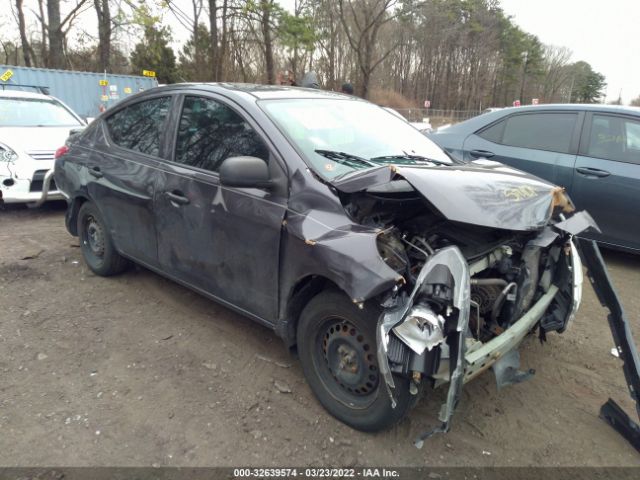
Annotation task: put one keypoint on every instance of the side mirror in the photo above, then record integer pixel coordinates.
(245, 172)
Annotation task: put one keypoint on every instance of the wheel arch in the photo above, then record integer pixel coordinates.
(299, 296)
(71, 218)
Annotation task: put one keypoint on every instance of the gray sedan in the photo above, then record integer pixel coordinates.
(593, 151)
(390, 267)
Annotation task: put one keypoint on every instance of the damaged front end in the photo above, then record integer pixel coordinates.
(463, 318)
(437, 311)
(472, 289)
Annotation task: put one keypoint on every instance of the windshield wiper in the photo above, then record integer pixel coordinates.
(408, 156)
(345, 158)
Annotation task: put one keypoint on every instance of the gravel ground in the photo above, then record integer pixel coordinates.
(135, 370)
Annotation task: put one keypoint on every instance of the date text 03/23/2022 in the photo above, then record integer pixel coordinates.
(316, 472)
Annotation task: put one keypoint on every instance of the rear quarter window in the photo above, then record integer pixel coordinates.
(614, 138)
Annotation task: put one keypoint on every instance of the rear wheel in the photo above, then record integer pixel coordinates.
(97, 247)
(337, 349)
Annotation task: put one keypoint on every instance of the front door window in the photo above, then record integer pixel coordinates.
(210, 132)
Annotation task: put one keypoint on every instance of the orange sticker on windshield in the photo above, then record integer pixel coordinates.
(329, 167)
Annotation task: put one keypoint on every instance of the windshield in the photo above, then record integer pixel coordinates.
(34, 112)
(340, 136)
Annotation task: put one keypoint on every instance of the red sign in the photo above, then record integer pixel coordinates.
(427, 103)
(516, 103)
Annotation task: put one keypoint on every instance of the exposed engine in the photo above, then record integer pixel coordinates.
(507, 272)
(467, 290)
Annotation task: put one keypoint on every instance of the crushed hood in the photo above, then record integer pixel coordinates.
(483, 193)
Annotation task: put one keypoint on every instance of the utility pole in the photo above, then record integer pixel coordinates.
(525, 55)
(573, 79)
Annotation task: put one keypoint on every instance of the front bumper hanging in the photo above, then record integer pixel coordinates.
(611, 412)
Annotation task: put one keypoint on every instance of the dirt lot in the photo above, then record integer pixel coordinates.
(136, 370)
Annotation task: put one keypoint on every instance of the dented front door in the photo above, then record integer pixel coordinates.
(223, 241)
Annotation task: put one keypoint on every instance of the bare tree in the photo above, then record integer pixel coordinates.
(189, 22)
(328, 37)
(213, 41)
(557, 75)
(26, 48)
(104, 33)
(55, 58)
(266, 8)
(57, 28)
(219, 41)
(362, 21)
(44, 48)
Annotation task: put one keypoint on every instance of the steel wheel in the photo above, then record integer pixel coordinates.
(94, 236)
(337, 348)
(349, 357)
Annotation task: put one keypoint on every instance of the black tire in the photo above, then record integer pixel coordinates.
(97, 247)
(337, 350)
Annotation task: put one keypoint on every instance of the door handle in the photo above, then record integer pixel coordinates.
(95, 171)
(592, 172)
(177, 197)
(481, 154)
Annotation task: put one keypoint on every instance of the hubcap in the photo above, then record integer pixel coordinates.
(94, 237)
(350, 358)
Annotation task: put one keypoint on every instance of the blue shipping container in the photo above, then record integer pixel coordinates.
(85, 92)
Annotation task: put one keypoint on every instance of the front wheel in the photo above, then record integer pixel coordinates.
(337, 349)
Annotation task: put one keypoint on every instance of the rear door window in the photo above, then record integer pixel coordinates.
(140, 127)
(539, 131)
(209, 132)
(614, 138)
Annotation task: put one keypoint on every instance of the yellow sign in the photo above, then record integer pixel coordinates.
(103, 83)
(7, 75)
(148, 73)
(104, 98)
(127, 89)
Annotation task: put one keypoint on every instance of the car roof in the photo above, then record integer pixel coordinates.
(256, 90)
(480, 121)
(601, 107)
(22, 94)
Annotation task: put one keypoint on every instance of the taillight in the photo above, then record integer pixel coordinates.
(61, 151)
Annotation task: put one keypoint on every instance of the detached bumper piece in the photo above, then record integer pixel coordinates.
(610, 411)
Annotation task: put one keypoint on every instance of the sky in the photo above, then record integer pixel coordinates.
(603, 33)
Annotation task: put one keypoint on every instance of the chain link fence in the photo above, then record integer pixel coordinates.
(436, 116)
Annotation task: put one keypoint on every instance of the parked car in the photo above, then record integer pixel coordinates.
(423, 127)
(32, 127)
(593, 151)
(391, 267)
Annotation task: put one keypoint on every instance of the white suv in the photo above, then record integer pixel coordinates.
(32, 127)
